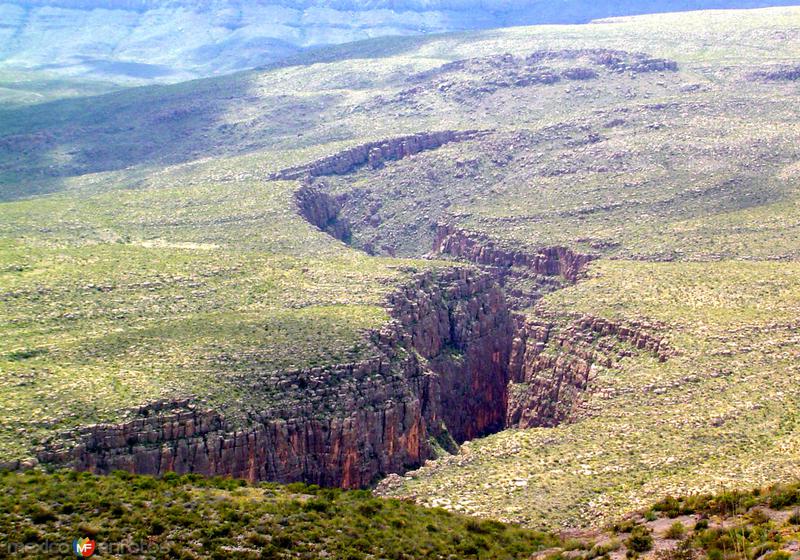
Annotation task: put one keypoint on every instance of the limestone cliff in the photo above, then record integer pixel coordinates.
(455, 362)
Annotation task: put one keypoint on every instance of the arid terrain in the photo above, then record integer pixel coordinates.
(541, 275)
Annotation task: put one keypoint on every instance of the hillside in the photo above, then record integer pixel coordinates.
(145, 41)
(191, 517)
(554, 267)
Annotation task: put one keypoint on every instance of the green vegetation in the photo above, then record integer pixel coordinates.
(640, 540)
(720, 412)
(133, 296)
(192, 517)
(676, 531)
(743, 525)
(146, 254)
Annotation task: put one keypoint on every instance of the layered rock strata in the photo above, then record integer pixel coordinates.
(376, 153)
(322, 210)
(442, 365)
(454, 363)
(553, 362)
(525, 276)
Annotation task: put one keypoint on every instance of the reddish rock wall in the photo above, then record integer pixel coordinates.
(432, 375)
(322, 210)
(476, 248)
(453, 359)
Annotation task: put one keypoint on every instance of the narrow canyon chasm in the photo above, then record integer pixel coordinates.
(458, 360)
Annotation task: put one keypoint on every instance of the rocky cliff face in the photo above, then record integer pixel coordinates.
(442, 366)
(322, 210)
(472, 247)
(553, 362)
(455, 361)
(525, 276)
(466, 342)
(376, 153)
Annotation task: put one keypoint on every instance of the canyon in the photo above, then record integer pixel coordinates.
(456, 361)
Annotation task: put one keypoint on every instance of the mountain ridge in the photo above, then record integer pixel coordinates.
(142, 41)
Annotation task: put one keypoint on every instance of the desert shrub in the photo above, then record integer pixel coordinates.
(729, 503)
(157, 527)
(30, 535)
(89, 530)
(640, 540)
(320, 506)
(701, 524)
(766, 549)
(370, 508)
(669, 506)
(684, 551)
(576, 544)
(784, 496)
(603, 550)
(777, 555)
(757, 516)
(676, 531)
(282, 541)
(41, 513)
(625, 526)
(794, 519)
(171, 477)
(186, 519)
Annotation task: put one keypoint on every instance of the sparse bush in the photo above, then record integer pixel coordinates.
(640, 540)
(683, 551)
(625, 526)
(784, 496)
(676, 531)
(320, 506)
(757, 516)
(777, 555)
(576, 544)
(370, 508)
(157, 527)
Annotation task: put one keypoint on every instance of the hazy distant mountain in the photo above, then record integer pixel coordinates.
(175, 39)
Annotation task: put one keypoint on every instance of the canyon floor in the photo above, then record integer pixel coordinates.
(546, 275)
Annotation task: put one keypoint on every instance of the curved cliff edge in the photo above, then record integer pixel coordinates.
(442, 370)
(454, 363)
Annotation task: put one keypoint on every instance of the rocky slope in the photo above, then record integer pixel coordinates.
(553, 363)
(376, 153)
(525, 276)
